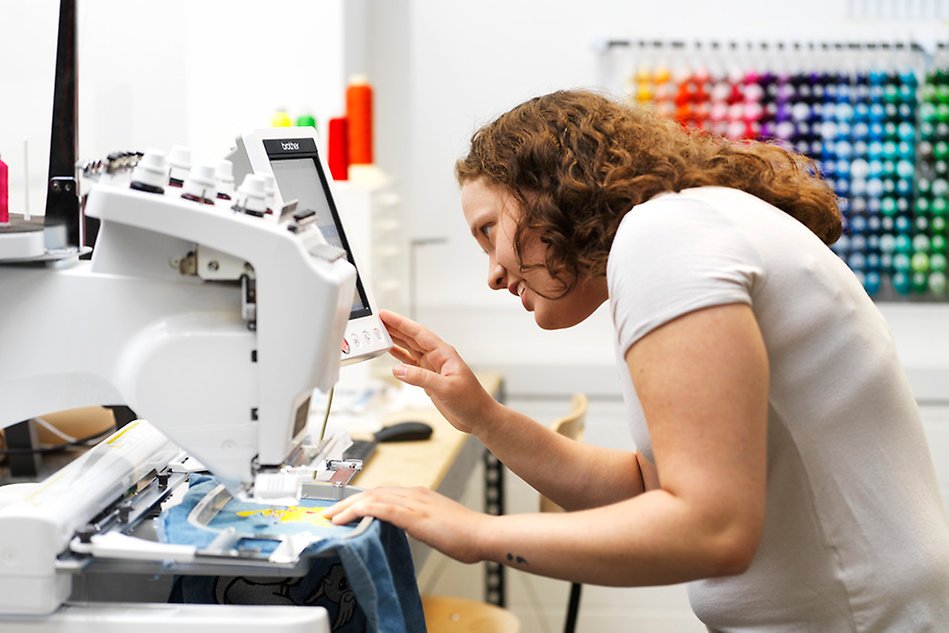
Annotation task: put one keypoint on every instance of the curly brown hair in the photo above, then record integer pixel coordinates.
(576, 162)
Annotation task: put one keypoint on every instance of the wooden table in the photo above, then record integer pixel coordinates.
(429, 463)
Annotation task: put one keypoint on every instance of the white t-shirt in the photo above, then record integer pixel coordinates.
(855, 535)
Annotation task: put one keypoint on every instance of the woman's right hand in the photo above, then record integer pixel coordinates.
(434, 519)
(430, 363)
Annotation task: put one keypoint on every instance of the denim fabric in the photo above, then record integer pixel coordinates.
(366, 582)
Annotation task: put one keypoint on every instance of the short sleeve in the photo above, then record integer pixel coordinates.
(673, 255)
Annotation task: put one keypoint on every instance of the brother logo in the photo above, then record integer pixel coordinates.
(293, 146)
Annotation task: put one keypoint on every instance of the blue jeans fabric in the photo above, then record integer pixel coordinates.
(366, 582)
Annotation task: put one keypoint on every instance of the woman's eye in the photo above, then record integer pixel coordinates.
(485, 231)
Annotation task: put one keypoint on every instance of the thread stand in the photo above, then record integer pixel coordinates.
(21, 238)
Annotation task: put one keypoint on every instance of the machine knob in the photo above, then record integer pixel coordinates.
(252, 196)
(85, 533)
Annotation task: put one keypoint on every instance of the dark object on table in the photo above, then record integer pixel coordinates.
(407, 431)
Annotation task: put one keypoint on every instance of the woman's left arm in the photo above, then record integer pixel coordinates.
(703, 383)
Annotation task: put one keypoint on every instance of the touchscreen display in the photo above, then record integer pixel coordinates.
(301, 179)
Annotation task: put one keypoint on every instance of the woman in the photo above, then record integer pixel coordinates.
(780, 465)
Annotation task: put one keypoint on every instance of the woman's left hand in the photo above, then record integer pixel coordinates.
(434, 519)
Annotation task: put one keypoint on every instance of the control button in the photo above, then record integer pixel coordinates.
(305, 214)
(377, 333)
(345, 346)
(355, 341)
(365, 335)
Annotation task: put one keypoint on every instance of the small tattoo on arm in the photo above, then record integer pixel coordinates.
(519, 560)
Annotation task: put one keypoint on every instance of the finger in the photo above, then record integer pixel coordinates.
(346, 515)
(425, 339)
(343, 512)
(341, 505)
(406, 341)
(390, 512)
(393, 322)
(413, 354)
(379, 503)
(407, 346)
(417, 376)
(391, 492)
(391, 319)
(403, 356)
(433, 359)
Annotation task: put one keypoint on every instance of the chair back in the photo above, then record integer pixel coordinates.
(571, 426)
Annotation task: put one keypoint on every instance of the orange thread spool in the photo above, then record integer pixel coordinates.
(359, 116)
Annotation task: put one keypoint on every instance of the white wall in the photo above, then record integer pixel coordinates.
(471, 61)
(444, 68)
(159, 73)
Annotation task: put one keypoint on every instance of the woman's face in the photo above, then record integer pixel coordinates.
(492, 216)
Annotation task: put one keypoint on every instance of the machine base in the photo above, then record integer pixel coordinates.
(182, 618)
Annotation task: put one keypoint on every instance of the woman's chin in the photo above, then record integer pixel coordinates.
(561, 316)
(551, 322)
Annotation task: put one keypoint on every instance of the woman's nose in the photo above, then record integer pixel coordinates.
(497, 276)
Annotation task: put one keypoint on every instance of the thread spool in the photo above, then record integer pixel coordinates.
(338, 143)
(179, 162)
(359, 115)
(4, 193)
(224, 174)
(200, 185)
(280, 118)
(306, 120)
(151, 172)
(252, 196)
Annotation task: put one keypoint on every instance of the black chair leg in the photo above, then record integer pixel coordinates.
(573, 608)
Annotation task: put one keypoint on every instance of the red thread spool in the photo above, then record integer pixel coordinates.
(4, 193)
(359, 114)
(339, 148)
(685, 93)
(684, 113)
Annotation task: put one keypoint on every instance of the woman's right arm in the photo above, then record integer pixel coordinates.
(573, 475)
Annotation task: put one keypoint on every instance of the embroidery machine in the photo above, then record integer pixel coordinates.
(215, 323)
(212, 319)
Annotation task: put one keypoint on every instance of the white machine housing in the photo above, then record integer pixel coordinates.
(35, 530)
(130, 328)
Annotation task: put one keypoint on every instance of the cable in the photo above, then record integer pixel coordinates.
(326, 417)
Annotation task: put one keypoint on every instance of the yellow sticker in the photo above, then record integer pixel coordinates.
(292, 514)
